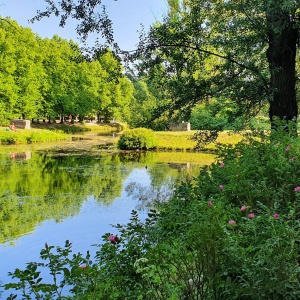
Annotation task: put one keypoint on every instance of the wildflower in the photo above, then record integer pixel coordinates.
(278, 144)
(221, 187)
(231, 222)
(292, 158)
(297, 189)
(287, 148)
(111, 237)
(276, 216)
(114, 239)
(251, 215)
(209, 204)
(222, 165)
(243, 208)
(82, 266)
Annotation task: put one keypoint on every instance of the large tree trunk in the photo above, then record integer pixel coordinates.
(281, 56)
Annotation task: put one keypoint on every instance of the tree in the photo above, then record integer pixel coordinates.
(254, 42)
(115, 91)
(62, 68)
(21, 72)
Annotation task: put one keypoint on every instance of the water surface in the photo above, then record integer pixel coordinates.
(57, 196)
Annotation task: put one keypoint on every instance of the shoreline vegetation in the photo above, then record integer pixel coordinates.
(106, 135)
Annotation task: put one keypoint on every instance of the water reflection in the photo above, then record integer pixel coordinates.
(60, 196)
(55, 187)
(20, 155)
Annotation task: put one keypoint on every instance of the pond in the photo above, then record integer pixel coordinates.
(54, 196)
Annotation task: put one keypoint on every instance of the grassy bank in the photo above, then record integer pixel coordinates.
(40, 133)
(25, 136)
(167, 140)
(182, 140)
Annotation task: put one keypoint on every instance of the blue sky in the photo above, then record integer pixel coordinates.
(127, 15)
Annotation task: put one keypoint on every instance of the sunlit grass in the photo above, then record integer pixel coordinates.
(167, 140)
(27, 136)
(175, 140)
(184, 157)
(182, 140)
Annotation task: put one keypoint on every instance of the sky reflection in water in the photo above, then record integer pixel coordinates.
(54, 199)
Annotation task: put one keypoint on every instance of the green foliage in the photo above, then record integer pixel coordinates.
(215, 116)
(46, 78)
(231, 233)
(217, 49)
(137, 139)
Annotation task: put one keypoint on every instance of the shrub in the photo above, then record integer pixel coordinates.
(137, 139)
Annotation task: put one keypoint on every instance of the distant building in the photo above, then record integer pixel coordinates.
(22, 124)
(180, 126)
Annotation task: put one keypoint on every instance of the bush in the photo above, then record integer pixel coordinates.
(137, 139)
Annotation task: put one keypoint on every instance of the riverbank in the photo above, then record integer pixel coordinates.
(105, 136)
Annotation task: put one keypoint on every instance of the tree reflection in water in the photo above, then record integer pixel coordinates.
(43, 187)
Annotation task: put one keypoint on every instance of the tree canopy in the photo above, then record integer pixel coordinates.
(244, 50)
(50, 78)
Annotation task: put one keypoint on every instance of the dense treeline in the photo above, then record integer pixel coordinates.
(47, 78)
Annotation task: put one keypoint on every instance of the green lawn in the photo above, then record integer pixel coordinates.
(181, 140)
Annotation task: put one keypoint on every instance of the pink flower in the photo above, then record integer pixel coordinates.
(111, 238)
(209, 204)
(114, 239)
(82, 266)
(292, 158)
(250, 216)
(222, 165)
(231, 222)
(276, 216)
(243, 208)
(287, 148)
(297, 189)
(221, 187)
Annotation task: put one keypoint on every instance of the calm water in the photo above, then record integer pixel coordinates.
(57, 197)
